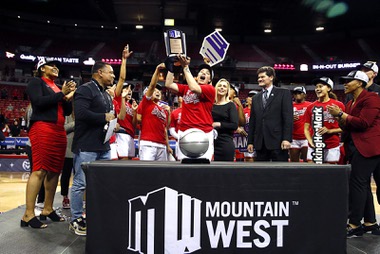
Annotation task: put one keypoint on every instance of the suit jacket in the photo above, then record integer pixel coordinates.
(363, 123)
(271, 124)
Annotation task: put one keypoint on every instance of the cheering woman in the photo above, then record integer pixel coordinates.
(50, 105)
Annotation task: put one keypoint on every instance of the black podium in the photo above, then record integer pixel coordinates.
(168, 207)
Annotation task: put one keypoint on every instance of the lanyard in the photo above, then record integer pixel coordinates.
(106, 99)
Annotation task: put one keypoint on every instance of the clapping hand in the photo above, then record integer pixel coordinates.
(68, 87)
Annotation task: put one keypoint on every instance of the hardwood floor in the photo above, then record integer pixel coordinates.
(13, 185)
(12, 190)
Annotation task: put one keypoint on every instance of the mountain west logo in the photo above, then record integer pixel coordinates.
(165, 221)
(172, 222)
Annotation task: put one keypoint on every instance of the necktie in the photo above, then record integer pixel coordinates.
(265, 97)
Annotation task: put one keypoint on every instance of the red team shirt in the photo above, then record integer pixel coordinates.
(127, 122)
(298, 125)
(196, 108)
(154, 121)
(331, 140)
(175, 118)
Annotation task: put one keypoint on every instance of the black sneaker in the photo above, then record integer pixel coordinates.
(78, 226)
(354, 232)
(374, 229)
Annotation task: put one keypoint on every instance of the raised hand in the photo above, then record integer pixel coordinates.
(184, 60)
(126, 53)
(160, 66)
(134, 104)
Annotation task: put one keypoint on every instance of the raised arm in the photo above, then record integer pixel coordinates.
(123, 70)
(154, 80)
(169, 82)
(193, 84)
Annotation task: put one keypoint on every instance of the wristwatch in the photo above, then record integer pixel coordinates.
(340, 114)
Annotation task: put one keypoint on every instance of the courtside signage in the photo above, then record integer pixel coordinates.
(167, 221)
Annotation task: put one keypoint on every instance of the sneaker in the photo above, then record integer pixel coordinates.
(374, 229)
(66, 203)
(40, 205)
(38, 208)
(354, 232)
(78, 226)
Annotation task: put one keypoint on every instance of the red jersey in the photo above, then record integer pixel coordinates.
(299, 110)
(331, 140)
(126, 124)
(196, 108)
(175, 118)
(154, 121)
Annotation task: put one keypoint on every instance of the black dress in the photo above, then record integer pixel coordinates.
(227, 115)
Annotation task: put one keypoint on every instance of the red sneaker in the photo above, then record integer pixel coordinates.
(66, 203)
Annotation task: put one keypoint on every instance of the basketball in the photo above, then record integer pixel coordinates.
(193, 143)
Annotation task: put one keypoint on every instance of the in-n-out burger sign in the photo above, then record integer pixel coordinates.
(335, 66)
(66, 60)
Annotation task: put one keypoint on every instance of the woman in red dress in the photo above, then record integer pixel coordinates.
(50, 105)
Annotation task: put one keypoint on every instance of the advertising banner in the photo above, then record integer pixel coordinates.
(173, 208)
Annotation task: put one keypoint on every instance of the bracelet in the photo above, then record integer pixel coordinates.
(340, 114)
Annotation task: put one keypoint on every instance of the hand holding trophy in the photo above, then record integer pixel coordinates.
(175, 43)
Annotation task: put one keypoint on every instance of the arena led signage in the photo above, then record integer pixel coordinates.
(284, 67)
(334, 66)
(65, 60)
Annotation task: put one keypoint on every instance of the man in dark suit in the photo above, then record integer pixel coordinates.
(271, 122)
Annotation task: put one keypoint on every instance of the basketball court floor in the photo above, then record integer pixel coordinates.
(57, 238)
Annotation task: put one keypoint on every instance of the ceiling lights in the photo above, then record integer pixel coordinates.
(169, 22)
(319, 28)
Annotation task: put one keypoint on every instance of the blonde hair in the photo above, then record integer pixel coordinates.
(228, 88)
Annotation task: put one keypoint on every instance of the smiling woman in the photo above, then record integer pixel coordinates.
(327, 129)
(50, 105)
(225, 116)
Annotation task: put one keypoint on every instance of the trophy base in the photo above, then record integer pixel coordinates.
(172, 64)
(195, 161)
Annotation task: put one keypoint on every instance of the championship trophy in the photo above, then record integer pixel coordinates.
(175, 43)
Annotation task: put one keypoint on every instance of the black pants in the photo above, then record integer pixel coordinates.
(265, 154)
(360, 194)
(65, 177)
(376, 177)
